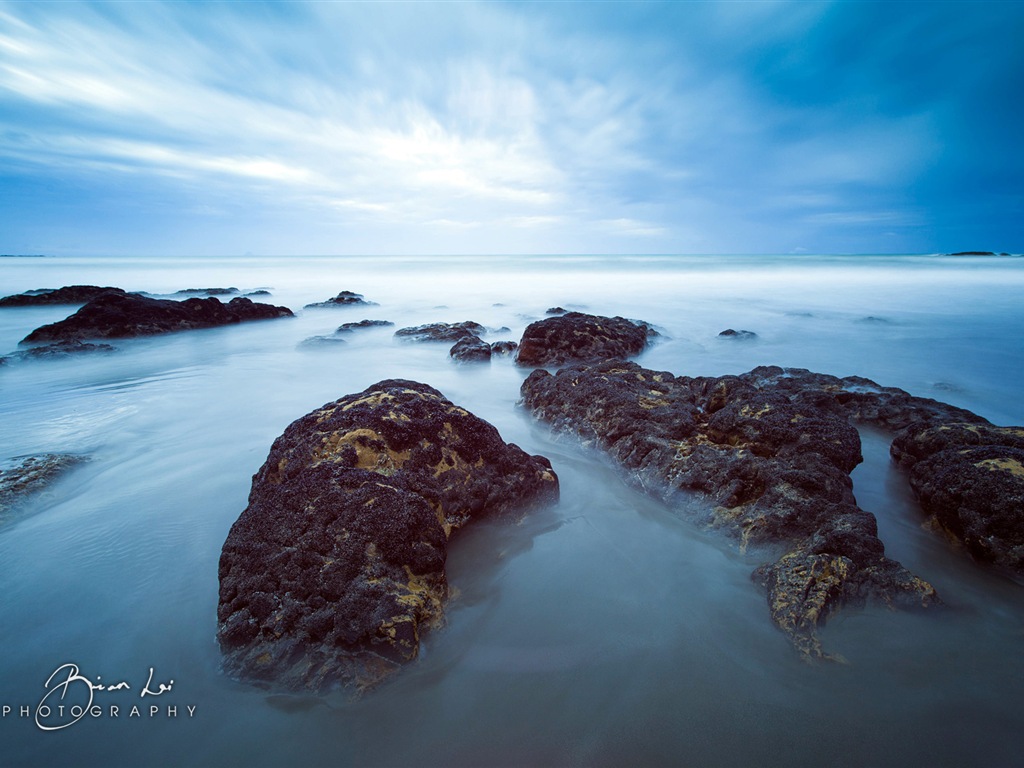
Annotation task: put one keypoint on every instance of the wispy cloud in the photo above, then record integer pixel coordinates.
(714, 126)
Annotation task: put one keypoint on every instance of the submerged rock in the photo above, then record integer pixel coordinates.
(555, 311)
(771, 451)
(321, 341)
(112, 316)
(471, 349)
(349, 327)
(441, 331)
(503, 347)
(576, 336)
(969, 478)
(24, 476)
(729, 333)
(208, 291)
(59, 349)
(344, 299)
(336, 567)
(69, 294)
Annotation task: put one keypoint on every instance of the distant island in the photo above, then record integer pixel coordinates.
(22, 255)
(978, 253)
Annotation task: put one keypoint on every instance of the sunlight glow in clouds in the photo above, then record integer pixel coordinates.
(482, 128)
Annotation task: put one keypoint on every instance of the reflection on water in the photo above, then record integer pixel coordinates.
(606, 630)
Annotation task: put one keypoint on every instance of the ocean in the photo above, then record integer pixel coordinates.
(607, 630)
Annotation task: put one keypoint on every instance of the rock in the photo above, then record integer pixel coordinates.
(729, 333)
(503, 347)
(579, 337)
(344, 299)
(322, 341)
(969, 478)
(556, 311)
(24, 476)
(259, 292)
(973, 253)
(113, 315)
(441, 331)
(337, 566)
(771, 452)
(60, 349)
(208, 292)
(872, 320)
(70, 294)
(348, 327)
(471, 349)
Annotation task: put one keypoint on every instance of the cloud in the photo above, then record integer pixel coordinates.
(712, 126)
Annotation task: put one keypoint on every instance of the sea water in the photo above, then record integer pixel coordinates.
(606, 630)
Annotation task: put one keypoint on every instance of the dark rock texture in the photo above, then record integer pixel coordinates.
(70, 294)
(27, 475)
(576, 336)
(114, 316)
(441, 331)
(349, 327)
(208, 292)
(729, 333)
(772, 451)
(969, 479)
(58, 350)
(555, 311)
(344, 299)
(337, 565)
(503, 347)
(471, 349)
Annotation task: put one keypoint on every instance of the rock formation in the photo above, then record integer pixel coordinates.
(336, 567)
(771, 452)
(578, 337)
(113, 316)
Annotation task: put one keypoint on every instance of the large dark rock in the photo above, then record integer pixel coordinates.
(576, 336)
(344, 299)
(24, 476)
(770, 452)
(471, 349)
(441, 331)
(113, 316)
(969, 479)
(336, 567)
(70, 294)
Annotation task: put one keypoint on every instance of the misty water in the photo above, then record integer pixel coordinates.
(606, 630)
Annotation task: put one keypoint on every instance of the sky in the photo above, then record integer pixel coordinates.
(480, 128)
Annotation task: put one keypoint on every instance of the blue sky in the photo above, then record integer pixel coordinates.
(700, 127)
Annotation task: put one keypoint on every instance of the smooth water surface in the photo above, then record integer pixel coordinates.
(606, 630)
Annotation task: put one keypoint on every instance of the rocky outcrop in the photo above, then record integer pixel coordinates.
(770, 452)
(344, 299)
(349, 327)
(730, 333)
(336, 567)
(114, 316)
(208, 292)
(470, 349)
(24, 476)
(58, 350)
(578, 337)
(555, 311)
(503, 347)
(69, 294)
(441, 331)
(969, 478)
